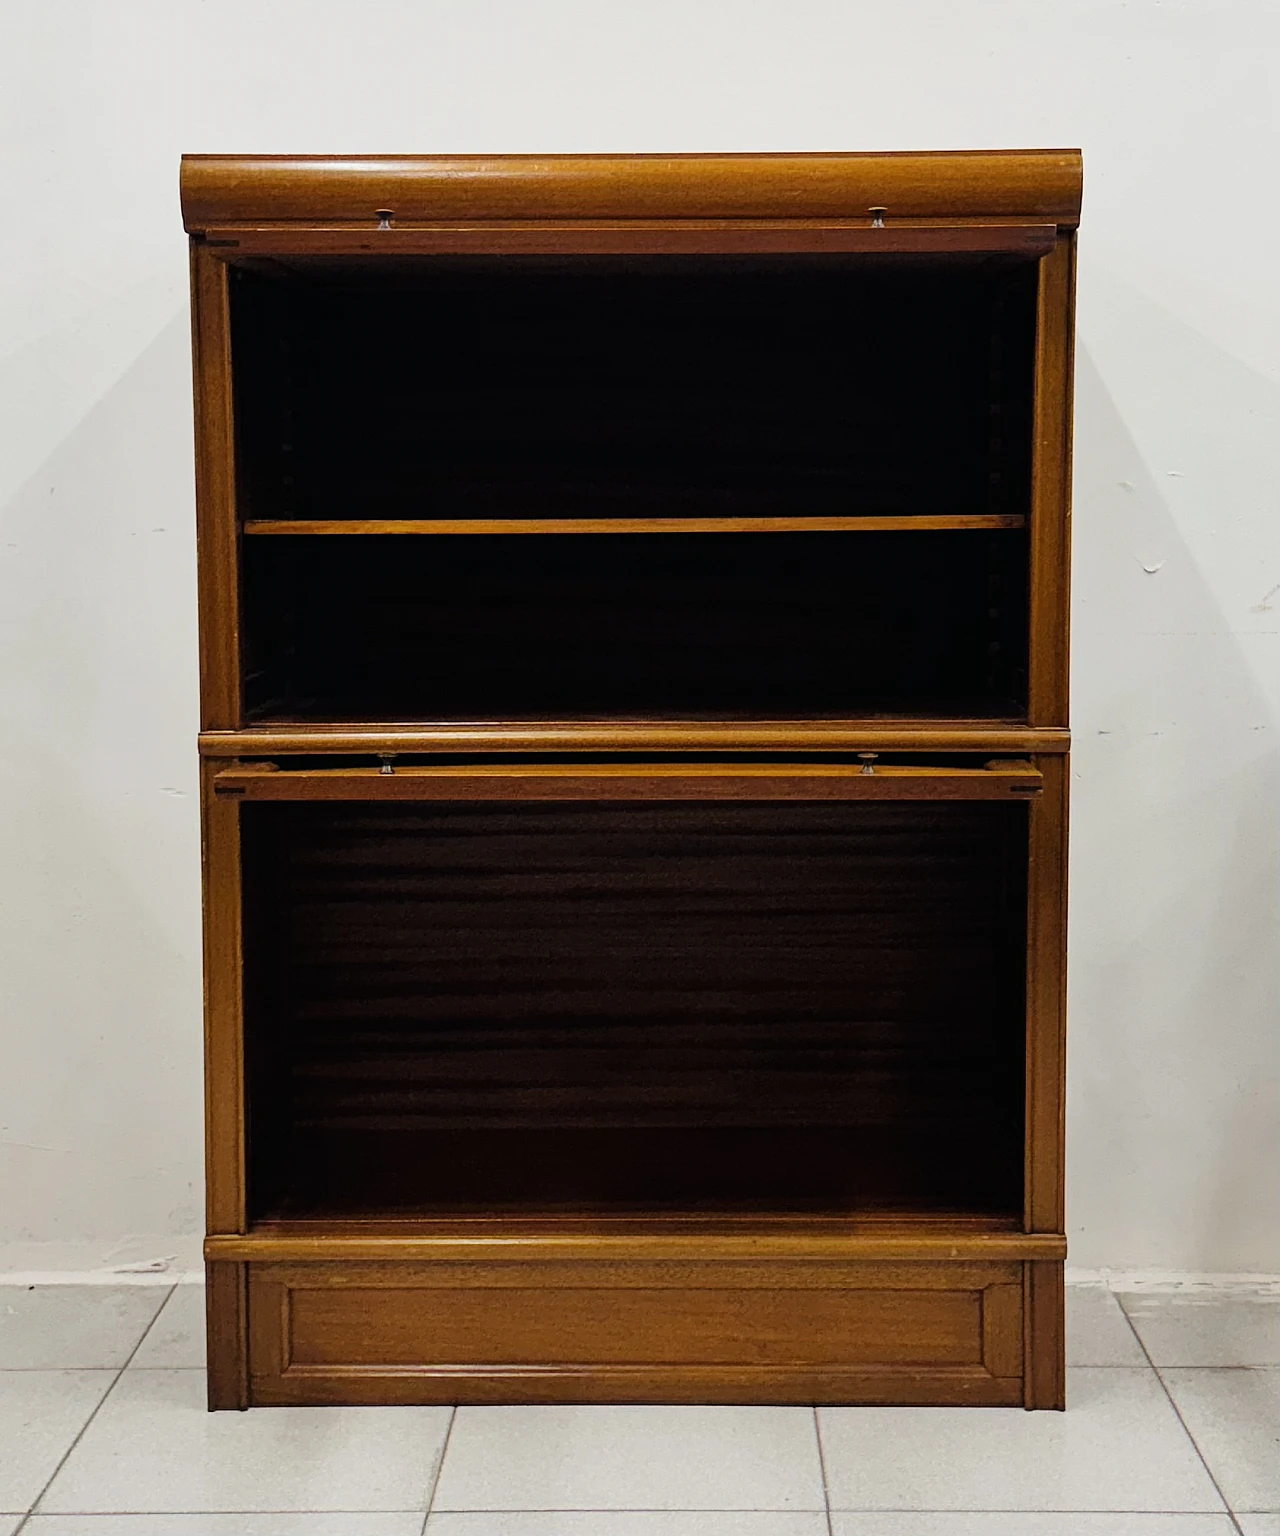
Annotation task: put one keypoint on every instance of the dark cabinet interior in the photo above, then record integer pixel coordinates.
(624, 1008)
(372, 395)
(715, 625)
(582, 386)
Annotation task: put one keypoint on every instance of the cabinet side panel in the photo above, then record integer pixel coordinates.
(224, 1048)
(1046, 999)
(1051, 488)
(217, 542)
(227, 1316)
(1043, 1310)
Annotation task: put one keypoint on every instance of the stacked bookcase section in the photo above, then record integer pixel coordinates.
(634, 631)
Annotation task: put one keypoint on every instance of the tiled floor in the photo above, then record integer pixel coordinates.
(1172, 1429)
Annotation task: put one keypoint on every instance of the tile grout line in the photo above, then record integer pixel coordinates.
(97, 1408)
(435, 1481)
(1195, 1446)
(822, 1467)
(703, 1509)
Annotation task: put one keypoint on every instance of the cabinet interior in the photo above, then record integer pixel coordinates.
(603, 388)
(624, 1008)
(713, 625)
(588, 386)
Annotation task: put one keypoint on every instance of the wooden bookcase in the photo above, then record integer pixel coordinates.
(633, 613)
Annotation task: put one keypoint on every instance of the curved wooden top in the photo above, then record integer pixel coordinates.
(327, 190)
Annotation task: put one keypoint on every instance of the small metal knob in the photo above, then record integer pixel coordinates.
(867, 759)
(386, 759)
(384, 217)
(877, 217)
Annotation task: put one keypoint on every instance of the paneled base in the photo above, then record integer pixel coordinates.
(793, 1330)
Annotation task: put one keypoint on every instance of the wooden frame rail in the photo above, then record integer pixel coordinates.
(613, 781)
(282, 738)
(1038, 187)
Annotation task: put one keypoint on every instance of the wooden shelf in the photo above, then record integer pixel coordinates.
(405, 525)
(906, 1236)
(270, 737)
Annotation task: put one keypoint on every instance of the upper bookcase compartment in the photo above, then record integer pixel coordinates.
(717, 355)
(651, 387)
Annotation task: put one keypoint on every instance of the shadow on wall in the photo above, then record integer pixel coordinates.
(1175, 947)
(99, 850)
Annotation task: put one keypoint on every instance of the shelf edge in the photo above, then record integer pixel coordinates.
(467, 737)
(319, 1247)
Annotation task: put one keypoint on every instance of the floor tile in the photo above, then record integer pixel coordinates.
(1022, 1523)
(1119, 1446)
(408, 1523)
(1207, 1329)
(177, 1335)
(658, 1458)
(632, 1522)
(1260, 1525)
(1234, 1417)
(41, 1413)
(153, 1448)
(9, 1524)
(73, 1327)
(1098, 1333)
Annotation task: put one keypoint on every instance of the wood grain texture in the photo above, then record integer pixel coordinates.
(217, 539)
(1047, 1001)
(309, 527)
(223, 1013)
(313, 189)
(698, 1325)
(1044, 1312)
(1050, 573)
(1003, 1335)
(227, 1333)
(669, 1239)
(585, 1331)
(594, 736)
(614, 781)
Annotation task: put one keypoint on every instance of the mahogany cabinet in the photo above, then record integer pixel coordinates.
(633, 612)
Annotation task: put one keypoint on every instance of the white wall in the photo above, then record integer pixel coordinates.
(1174, 941)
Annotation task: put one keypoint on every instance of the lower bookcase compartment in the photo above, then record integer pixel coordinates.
(607, 1331)
(649, 1083)
(476, 1008)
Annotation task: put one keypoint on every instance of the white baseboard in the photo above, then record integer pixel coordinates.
(136, 1259)
(1181, 1281)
